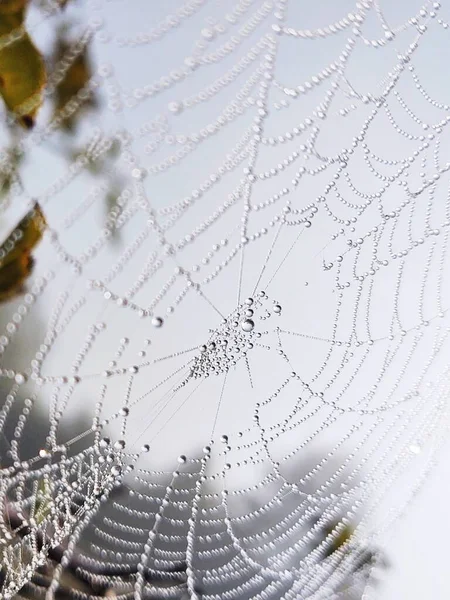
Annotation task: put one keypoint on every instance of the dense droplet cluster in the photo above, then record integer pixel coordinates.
(234, 338)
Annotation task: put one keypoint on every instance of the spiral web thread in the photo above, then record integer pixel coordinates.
(274, 298)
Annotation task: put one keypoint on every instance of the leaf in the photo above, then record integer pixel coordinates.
(98, 163)
(12, 7)
(10, 161)
(112, 210)
(22, 69)
(13, 275)
(16, 262)
(342, 537)
(74, 80)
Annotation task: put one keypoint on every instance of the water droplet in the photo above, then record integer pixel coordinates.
(175, 107)
(138, 173)
(247, 325)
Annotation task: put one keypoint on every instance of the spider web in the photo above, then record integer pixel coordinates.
(259, 332)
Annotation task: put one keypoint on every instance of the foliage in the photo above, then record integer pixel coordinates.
(16, 261)
(75, 79)
(22, 67)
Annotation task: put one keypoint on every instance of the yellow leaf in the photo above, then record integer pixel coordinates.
(22, 68)
(16, 262)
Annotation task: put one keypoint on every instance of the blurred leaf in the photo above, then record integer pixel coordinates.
(102, 162)
(339, 540)
(22, 69)
(9, 165)
(16, 262)
(24, 237)
(13, 275)
(74, 80)
(113, 210)
(10, 9)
